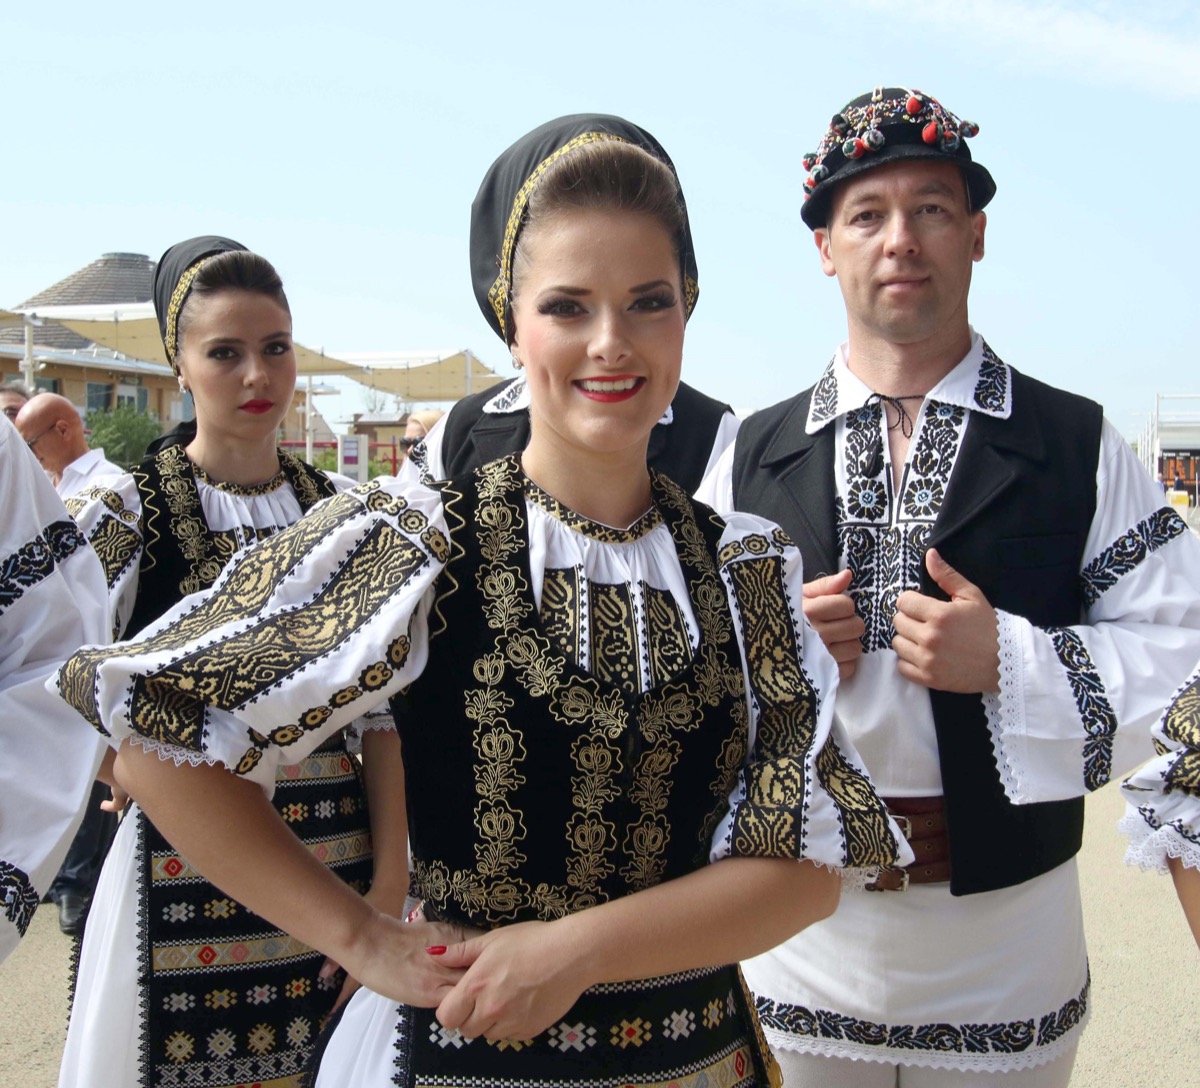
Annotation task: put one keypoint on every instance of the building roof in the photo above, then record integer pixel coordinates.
(113, 278)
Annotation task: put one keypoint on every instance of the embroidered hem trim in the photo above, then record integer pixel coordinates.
(964, 1063)
(1004, 709)
(986, 1047)
(1150, 846)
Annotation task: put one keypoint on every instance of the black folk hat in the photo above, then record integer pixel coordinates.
(890, 124)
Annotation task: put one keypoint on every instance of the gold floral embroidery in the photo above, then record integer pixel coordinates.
(606, 723)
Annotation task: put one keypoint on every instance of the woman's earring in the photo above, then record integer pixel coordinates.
(517, 364)
(182, 388)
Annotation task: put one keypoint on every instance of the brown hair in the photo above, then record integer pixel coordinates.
(234, 270)
(611, 175)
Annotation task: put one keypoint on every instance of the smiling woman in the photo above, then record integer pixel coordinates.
(603, 819)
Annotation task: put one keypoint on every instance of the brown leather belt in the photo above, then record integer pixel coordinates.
(923, 821)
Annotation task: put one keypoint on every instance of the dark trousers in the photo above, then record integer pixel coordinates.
(81, 867)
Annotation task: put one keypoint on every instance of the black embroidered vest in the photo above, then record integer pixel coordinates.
(533, 789)
(679, 450)
(1015, 521)
(181, 554)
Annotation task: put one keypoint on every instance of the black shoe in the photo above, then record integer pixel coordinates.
(70, 913)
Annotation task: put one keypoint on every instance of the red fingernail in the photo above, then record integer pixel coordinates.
(436, 950)
(411, 915)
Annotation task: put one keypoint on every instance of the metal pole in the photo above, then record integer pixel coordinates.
(308, 419)
(27, 361)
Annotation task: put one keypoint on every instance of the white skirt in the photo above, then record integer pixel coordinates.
(986, 982)
(103, 1036)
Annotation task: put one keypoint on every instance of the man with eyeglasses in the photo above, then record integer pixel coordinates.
(53, 430)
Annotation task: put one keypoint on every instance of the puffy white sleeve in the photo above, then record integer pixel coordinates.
(1162, 800)
(52, 599)
(1076, 704)
(109, 514)
(802, 791)
(299, 635)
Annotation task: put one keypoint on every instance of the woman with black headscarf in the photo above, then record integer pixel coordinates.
(621, 768)
(178, 982)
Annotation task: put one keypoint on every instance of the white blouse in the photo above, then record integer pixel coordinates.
(51, 601)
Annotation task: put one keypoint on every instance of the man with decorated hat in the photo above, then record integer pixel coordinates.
(1011, 606)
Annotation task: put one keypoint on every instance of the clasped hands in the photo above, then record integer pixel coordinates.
(947, 645)
(509, 983)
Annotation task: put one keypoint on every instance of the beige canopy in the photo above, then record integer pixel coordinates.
(421, 377)
(132, 329)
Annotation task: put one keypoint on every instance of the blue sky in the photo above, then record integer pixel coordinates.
(345, 143)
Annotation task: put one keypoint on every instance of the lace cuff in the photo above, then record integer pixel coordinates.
(178, 756)
(1152, 842)
(1005, 709)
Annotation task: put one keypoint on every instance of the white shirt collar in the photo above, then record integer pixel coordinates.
(980, 382)
(514, 397)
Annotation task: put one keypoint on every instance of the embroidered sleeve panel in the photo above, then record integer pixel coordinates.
(1129, 551)
(18, 897)
(797, 776)
(261, 624)
(36, 560)
(1092, 701)
(167, 704)
(1181, 727)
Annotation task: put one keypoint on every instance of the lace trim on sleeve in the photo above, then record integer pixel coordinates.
(179, 756)
(1152, 842)
(1004, 709)
(378, 720)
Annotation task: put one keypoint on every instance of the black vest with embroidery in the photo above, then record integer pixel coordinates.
(1015, 521)
(680, 450)
(535, 789)
(180, 553)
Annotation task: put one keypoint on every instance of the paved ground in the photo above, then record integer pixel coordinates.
(1145, 979)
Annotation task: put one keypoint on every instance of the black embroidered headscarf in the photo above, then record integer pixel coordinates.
(499, 208)
(173, 277)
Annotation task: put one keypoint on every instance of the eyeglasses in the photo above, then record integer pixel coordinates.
(408, 443)
(34, 441)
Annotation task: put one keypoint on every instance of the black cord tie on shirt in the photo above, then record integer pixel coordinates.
(904, 421)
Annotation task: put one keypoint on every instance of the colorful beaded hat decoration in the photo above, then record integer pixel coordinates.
(889, 125)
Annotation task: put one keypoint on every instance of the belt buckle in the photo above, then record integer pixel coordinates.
(874, 887)
(904, 823)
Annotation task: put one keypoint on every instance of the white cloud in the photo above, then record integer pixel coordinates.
(1158, 50)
